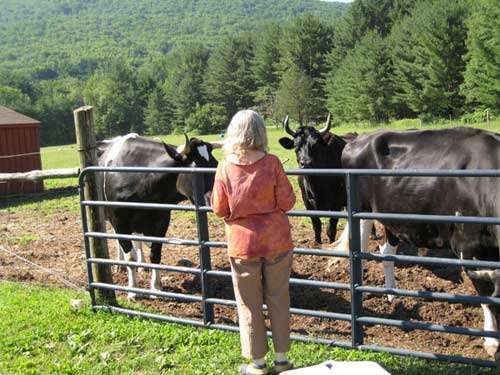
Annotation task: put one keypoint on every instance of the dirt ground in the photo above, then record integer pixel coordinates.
(55, 241)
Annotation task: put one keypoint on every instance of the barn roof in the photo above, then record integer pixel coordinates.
(11, 117)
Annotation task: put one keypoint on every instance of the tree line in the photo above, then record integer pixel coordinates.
(382, 60)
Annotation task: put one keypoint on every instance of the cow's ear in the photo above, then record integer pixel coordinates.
(174, 154)
(286, 143)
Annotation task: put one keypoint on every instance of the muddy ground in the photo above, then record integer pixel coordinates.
(55, 242)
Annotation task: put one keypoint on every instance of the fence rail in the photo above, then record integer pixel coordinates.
(355, 255)
(39, 175)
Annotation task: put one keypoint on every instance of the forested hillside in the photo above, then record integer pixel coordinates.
(161, 66)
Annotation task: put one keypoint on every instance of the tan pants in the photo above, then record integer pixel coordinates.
(257, 281)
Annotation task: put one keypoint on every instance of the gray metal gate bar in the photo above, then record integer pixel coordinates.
(293, 281)
(353, 206)
(409, 325)
(134, 237)
(438, 296)
(409, 259)
(162, 267)
(204, 250)
(157, 293)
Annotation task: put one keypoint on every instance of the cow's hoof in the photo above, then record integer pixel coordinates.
(491, 347)
(132, 297)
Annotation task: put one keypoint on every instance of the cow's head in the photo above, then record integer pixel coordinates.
(312, 147)
(196, 153)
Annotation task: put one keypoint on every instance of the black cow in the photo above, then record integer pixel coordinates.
(319, 149)
(133, 150)
(457, 148)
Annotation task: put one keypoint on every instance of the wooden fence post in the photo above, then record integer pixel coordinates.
(86, 146)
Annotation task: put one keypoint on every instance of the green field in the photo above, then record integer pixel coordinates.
(41, 334)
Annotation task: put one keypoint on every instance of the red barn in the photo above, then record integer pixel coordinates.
(19, 150)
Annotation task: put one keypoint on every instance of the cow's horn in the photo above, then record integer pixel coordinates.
(184, 149)
(217, 144)
(287, 127)
(327, 126)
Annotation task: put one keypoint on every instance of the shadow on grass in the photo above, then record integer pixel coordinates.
(15, 201)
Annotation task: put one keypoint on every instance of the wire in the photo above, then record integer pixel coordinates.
(46, 270)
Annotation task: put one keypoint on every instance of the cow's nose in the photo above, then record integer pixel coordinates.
(305, 164)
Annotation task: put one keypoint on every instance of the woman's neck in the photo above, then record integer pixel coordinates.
(249, 157)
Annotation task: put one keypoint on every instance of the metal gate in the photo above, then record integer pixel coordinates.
(356, 287)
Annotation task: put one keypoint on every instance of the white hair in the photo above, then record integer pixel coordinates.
(245, 132)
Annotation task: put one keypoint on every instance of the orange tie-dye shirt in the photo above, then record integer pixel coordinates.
(253, 200)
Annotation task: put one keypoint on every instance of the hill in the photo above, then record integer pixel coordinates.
(72, 36)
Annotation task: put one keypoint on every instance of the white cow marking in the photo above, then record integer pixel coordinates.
(390, 279)
(202, 150)
(490, 324)
(117, 146)
(113, 152)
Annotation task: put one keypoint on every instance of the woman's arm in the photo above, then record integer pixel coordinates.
(219, 200)
(285, 197)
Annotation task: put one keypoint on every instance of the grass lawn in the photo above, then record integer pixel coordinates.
(41, 334)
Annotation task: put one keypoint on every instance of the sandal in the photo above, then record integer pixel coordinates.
(282, 366)
(253, 369)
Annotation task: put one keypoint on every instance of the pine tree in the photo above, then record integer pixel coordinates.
(184, 86)
(230, 80)
(158, 115)
(295, 96)
(304, 47)
(428, 51)
(265, 69)
(481, 86)
(360, 89)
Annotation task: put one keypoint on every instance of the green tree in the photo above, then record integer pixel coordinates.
(158, 115)
(304, 47)
(427, 52)
(184, 86)
(265, 69)
(113, 93)
(361, 88)
(481, 86)
(54, 109)
(207, 119)
(230, 80)
(295, 96)
(15, 99)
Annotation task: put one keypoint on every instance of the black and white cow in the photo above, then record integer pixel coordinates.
(457, 148)
(134, 151)
(319, 149)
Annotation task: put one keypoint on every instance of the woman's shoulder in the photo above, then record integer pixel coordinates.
(274, 161)
(272, 158)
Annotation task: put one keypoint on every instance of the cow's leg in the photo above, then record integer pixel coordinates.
(342, 243)
(155, 273)
(159, 230)
(491, 344)
(130, 256)
(138, 246)
(389, 248)
(332, 229)
(316, 224)
(485, 281)
(120, 255)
